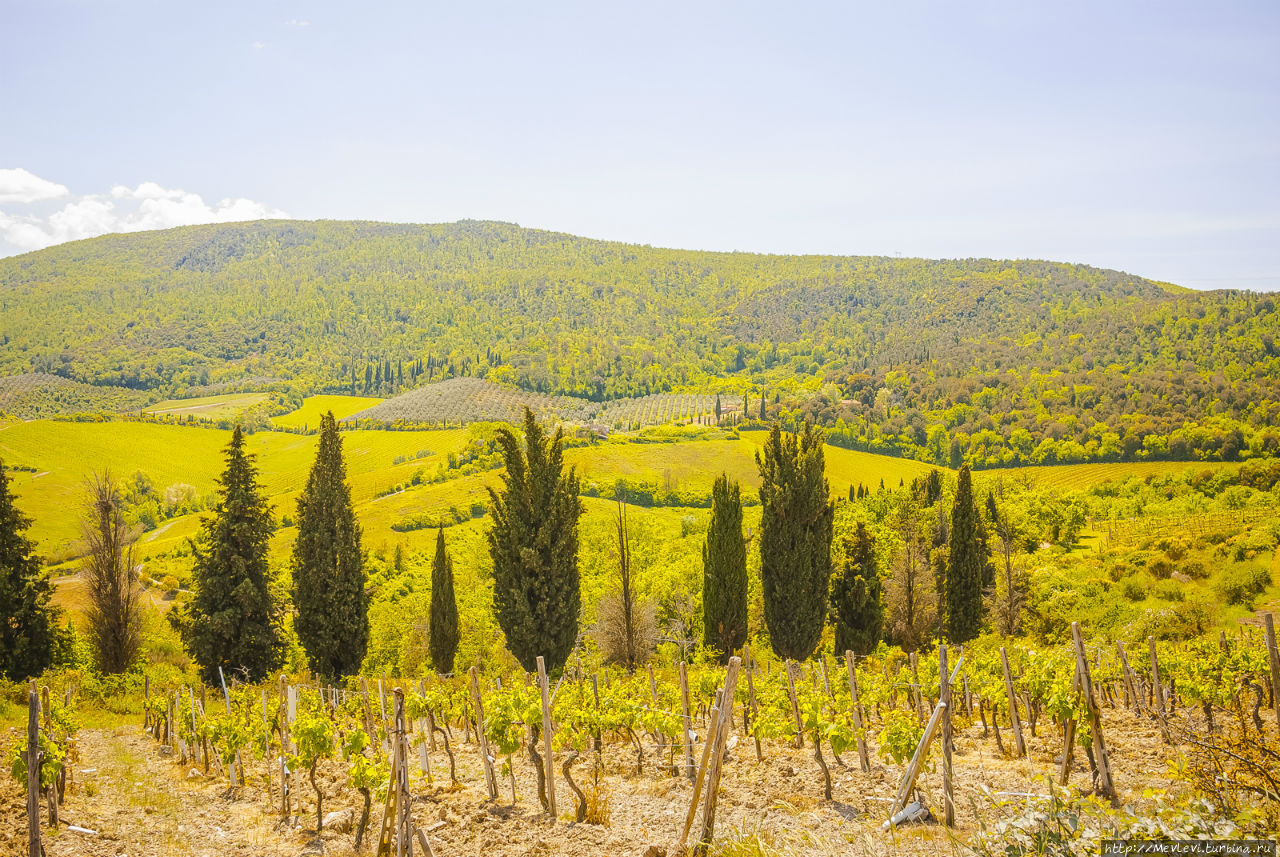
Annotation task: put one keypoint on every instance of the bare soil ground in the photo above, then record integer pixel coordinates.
(142, 802)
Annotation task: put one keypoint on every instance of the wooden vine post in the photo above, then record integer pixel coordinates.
(913, 769)
(944, 702)
(1274, 656)
(491, 782)
(863, 761)
(717, 753)
(547, 760)
(751, 701)
(226, 696)
(1106, 787)
(1157, 687)
(1018, 743)
(795, 704)
(32, 756)
(686, 722)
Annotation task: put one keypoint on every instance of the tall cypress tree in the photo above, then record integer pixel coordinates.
(724, 572)
(856, 609)
(795, 540)
(964, 565)
(534, 546)
(27, 632)
(444, 610)
(232, 621)
(328, 565)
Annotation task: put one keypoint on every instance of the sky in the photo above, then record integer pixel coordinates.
(1131, 135)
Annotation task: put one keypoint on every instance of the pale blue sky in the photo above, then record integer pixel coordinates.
(1139, 136)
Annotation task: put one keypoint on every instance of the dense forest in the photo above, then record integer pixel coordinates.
(990, 362)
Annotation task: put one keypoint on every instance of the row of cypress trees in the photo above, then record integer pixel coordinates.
(235, 618)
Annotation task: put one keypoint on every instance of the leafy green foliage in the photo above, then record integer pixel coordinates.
(856, 610)
(233, 620)
(328, 565)
(795, 541)
(724, 572)
(534, 547)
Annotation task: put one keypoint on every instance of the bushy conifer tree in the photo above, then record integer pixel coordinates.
(965, 563)
(328, 565)
(724, 572)
(795, 540)
(27, 627)
(444, 610)
(232, 620)
(856, 609)
(534, 546)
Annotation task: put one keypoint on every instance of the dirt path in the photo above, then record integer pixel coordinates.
(142, 802)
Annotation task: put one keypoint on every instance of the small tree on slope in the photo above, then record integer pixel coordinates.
(444, 610)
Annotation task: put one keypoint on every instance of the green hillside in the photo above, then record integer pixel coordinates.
(992, 362)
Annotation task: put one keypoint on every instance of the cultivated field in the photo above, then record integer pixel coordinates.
(314, 407)
(224, 407)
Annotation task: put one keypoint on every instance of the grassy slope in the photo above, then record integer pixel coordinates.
(314, 407)
(208, 407)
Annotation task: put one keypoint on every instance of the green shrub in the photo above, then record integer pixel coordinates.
(1133, 588)
(1240, 584)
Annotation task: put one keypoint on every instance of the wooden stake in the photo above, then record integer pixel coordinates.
(751, 699)
(686, 722)
(1157, 687)
(863, 760)
(548, 760)
(1106, 787)
(795, 704)
(490, 780)
(1274, 656)
(1068, 750)
(1018, 743)
(34, 759)
(1131, 696)
(913, 769)
(721, 733)
(944, 702)
(697, 786)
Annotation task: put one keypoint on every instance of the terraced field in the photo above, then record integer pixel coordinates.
(1077, 477)
(222, 407)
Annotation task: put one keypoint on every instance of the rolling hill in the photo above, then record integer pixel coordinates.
(986, 361)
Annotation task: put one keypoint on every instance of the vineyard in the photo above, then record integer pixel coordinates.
(36, 395)
(831, 753)
(468, 400)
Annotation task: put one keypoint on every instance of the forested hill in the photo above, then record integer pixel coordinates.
(899, 342)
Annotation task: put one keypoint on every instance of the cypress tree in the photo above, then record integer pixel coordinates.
(856, 608)
(964, 566)
(27, 634)
(328, 565)
(444, 610)
(232, 621)
(795, 540)
(724, 572)
(534, 546)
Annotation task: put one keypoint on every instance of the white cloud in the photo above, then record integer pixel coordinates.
(124, 209)
(18, 185)
(257, 46)
(294, 22)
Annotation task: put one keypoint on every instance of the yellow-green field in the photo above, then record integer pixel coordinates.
(208, 407)
(1079, 477)
(314, 407)
(65, 454)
